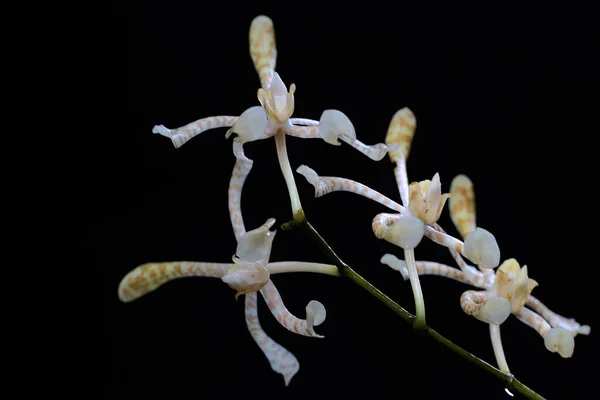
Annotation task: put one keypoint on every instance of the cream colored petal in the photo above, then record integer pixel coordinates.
(485, 307)
(406, 232)
(245, 277)
(281, 360)
(278, 92)
(396, 264)
(255, 245)
(510, 267)
(251, 125)
(481, 248)
(416, 202)
(400, 132)
(462, 205)
(560, 340)
(242, 168)
(334, 123)
(433, 198)
(315, 313)
(149, 277)
(183, 134)
(263, 49)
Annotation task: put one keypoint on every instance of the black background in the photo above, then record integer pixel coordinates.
(504, 99)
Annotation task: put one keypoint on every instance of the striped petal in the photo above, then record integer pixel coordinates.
(182, 135)
(462, 205)
(400, 133)
(149, 277)
(263, 49)
(282, 361)
(315, 313)
(485, 307)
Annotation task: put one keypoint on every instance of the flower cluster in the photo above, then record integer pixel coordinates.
(505, 292)
(251, 269)
(502, 293)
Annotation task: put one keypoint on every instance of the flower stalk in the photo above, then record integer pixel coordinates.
(510, 382)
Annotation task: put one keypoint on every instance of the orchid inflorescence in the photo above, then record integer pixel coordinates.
(505, 292)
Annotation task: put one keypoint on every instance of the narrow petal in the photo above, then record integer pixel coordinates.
(462, 205)
(555, 320)
(148, 277)
(534, 321)
(242, 168)
(304, 121)
(327, 184)
(416, 201)
(278, 92)
(485, 307)
(375, 152)
(263, 49)
(304, 132)
(432, 268)
(400, 132)
(251, 125)
(255, 245)
(182, 135)
(282, 361)
(315, 313)
(433, 198)
(333, 124)
(402, 179)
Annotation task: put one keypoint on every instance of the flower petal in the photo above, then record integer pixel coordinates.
(182, 135)
(263, 49)
(485, 307)
(278, 92)
(462, 205)
(375, 152)
(246, 277)
(481, 248)
(251, 125)
(327, 184)
(333, 124)
(560, 340)
(400, 132)
(395, 263)
(281, 360)
(148, 277)
(242, 168)
(315, 313)
(417, 205)
(433, 198)
(404, 231)
(255, 245)
(555, 320)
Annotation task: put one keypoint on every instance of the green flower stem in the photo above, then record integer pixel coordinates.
(508, 379)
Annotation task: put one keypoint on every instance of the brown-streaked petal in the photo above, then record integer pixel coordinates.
(263, 49)
(462, 205)
(281, 360)
(148, 277)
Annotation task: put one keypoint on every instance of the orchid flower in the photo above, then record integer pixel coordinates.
(422, 205)
(250, 272)
(274, 115)
(509, 292)
(505, 292)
